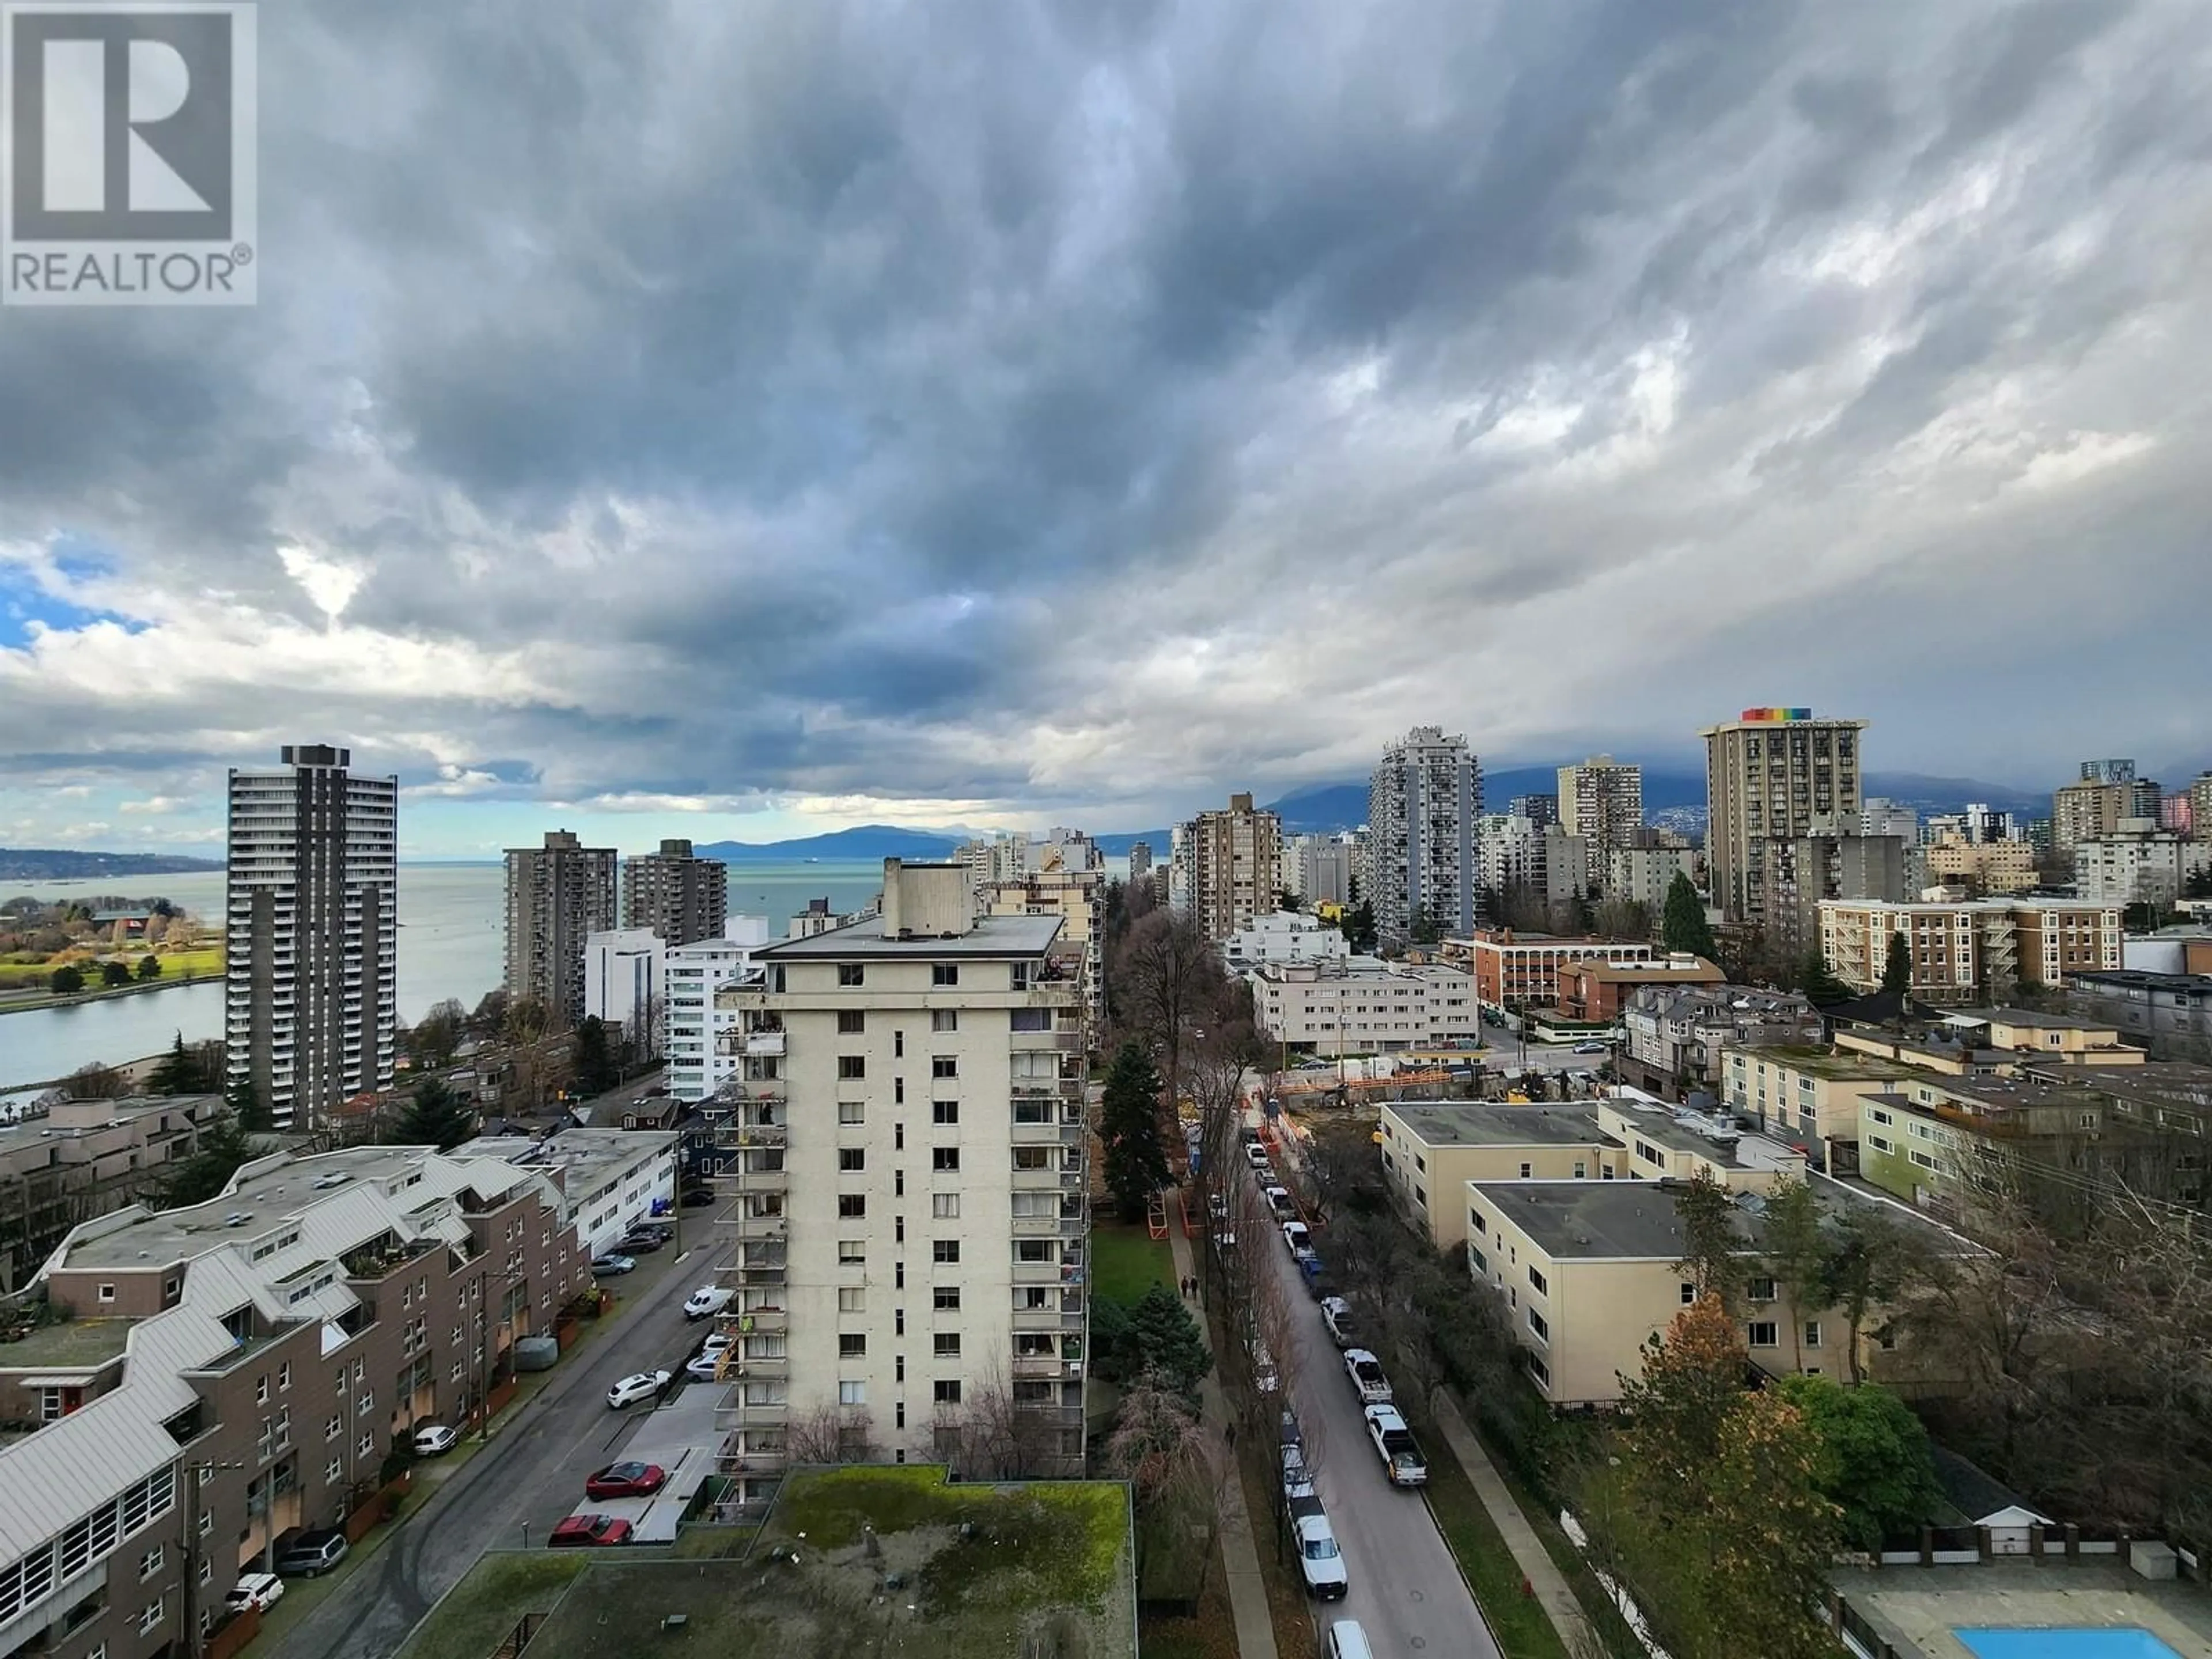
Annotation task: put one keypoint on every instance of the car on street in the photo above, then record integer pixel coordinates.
(1279, 1201)
(1402, 1462)
(312, 1553)
(1298, 1479)
(1365, 1372)
(640, 1243)
(1343, 1324)
(612, 1266)
(1591, 1048)
(707, 1301)
(696, 1196)
(1299, 1238)
(704, 1367)
(588, 1530)
(259, 1590)
(1255, 1153)
(630, 1479)
(639, 1385)
(715, 1341)
(1265, 1377)
(432, 1439)
(1347, 1641)
(1321, 1563)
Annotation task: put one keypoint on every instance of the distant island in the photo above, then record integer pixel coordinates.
(866, 840)
(58, 864)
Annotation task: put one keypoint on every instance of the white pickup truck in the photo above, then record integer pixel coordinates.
(1401, 1456)
(1365, 1372)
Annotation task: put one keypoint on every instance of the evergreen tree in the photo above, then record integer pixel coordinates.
(1710, 1242)
(223, 1145)
(1821, 987)
(1897, 969)
(1170, 1346)
(596, 1071)
(1683, 926)
(1795, 1249)
(114, 974)
(178, 1073)
(247, 1107)
(149, 968)
(1129, 1125)
(66, 981)
(435, 1116)
(1875, 1464)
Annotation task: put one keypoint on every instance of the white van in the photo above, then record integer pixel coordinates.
(1347, 1641)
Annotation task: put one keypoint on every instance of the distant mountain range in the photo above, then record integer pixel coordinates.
(865, 840)
(58, 864)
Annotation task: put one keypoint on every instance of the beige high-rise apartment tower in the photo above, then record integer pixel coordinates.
(557, 896)
(1233, 864)
(681, 897)
(1602, 801)
(1774, 775)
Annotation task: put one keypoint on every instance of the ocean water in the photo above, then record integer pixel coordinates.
(452, 943)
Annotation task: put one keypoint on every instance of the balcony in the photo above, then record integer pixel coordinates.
(763, 1042)
(1047, 1180)
(757, 1224)
(1036, 1226)
(1041, 1319)
(1033, 1365)
(770, 1178)
(768, 1321)
(752, 1134)
(1039, 1272)
(759, 1367)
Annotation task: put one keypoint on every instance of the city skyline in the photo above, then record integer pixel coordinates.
(1174, 407)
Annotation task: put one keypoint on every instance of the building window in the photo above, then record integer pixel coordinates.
(944, 1206)
(946, 1160)
(944, 1066)
(852, 1157)
(1812, 1332)
(945, 1391)
(261, 1390)
(852, 1393)
(1689, 1293)
(852, 1345)
(851, 1205)
(945, 1250)
(946, 1298)
(151, 1620)
(850, 973)
(944, 973)
(852, 1253)
(852, 1111)
(107, 1294)
(284, 1375)
(150, 1562)
(851, 1022)
(1764, 1333)
(944, 1019)
(945, 1111)
(1543, 1332)
(1528, 1170)
(1758, 1290)
(851, 1068)
(947, 1344)
(1537, 1282)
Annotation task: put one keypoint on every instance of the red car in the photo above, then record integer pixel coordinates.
(626, 1480)
(591, 1529)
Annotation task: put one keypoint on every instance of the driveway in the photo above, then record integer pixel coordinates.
(513, 1490)
(1406, 1591)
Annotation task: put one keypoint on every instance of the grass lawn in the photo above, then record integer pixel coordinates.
(176, 968)
(488, 1604)
(1126, 1262)
(1521, 1626)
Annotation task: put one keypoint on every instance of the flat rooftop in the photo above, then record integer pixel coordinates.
(73, 1344)
(2142, 979)
(1835, 1065)
(1591, 1219)
(989, 936)
(2032, 1017)
(1713, 1137)
(1436, 1123)
(582, 1154)
(1917, 1609)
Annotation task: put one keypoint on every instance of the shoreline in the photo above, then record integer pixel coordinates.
(45, 999)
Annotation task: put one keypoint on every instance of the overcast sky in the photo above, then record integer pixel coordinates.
(754, 418)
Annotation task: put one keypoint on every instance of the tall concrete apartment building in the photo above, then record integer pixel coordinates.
(1774, 777)
(682, 898)
(1423, 803)
(905, 1162)
(1602, 801)
(557, 897)
(2107, 794)
(310, 934)
(1231, 866)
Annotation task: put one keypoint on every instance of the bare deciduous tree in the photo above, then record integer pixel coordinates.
(1001, 1439)
(829, 1433)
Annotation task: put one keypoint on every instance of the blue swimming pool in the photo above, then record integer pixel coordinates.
(2122, 1644)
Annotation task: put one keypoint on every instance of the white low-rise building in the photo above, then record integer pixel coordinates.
(609, 1179)
(2138, 863)
(1283, 936)
(622, 983)
(697, 1067)
(1361, 1004)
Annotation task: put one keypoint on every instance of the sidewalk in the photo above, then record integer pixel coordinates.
(1240, 1555)
(1528, 1553)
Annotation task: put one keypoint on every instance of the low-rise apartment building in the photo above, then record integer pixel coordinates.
(1992, 867)
(1589, 1273)
(908, 1193)
(2138, 863)
(76, 1160)
(2172, 1013)
(1361, 1004)
(1642, 875)
(201, 1381)
(699, 1060)
(1513, 971)
(1968, 949)
(1673, 1039)
(1806, 1095)
(1283, 936)
(608, 1179)
(1592, 992)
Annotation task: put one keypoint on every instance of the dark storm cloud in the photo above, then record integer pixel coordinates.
(1080, 400)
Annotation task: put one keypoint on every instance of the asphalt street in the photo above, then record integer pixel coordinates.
(1406, 1589)
(531, 1474)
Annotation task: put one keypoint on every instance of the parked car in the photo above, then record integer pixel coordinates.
(433, 1438)
(696, 1196)
(1311, 1271)
(612, 1266)
(590, 1529)
(1321, 1563)
(1266, 1173)
(663, 1231)
(707, 1301)
(1343, 1324)
(715, 1341)
(631, 1480)
(312, 1553)
(1265, 1377)
(639, 1243)
(1365, 1372)
(1279, 1201)
(1299, 1238)
(640, 1385)
(705, 1367)
(257, 1590)
(1298, 1479)
(1255, 1153)
(1347, 1641)
(1401, 1457)
(1592, 1048)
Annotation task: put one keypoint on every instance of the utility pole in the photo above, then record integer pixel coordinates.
(189, 1608)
